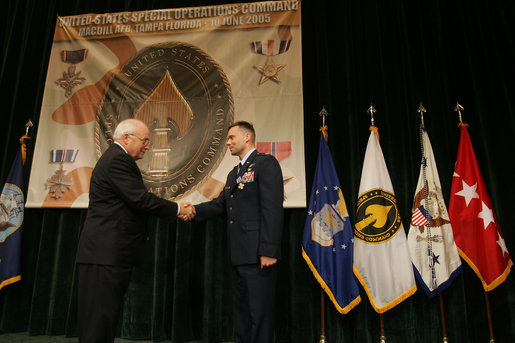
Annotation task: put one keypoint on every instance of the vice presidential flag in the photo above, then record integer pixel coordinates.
(476, 231)
(12, 205)
(430, 238)
(327, 242)
(381, 255)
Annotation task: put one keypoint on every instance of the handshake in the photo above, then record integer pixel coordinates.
(187, 211)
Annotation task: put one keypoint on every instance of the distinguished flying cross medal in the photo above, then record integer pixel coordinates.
(71, 78)
(270, 48)
(59, 183)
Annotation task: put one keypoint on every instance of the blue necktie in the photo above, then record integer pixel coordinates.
(238, 174)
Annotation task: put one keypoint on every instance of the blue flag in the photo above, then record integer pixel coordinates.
(327, 244)
(12, 205)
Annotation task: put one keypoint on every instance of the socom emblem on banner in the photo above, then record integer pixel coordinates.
(185, 98)
(380, 219)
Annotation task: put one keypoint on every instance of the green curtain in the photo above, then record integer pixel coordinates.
(394, 54)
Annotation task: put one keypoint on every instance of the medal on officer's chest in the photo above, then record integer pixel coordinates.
(247, 177)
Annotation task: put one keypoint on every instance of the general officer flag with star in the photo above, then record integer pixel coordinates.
(476, 231)
(327, 243)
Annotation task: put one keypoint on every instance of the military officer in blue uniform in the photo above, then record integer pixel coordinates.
(253, 201)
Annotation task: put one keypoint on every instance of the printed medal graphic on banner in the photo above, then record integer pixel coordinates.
(279, 150)
(269, 48)
(59, 182)
(185, 99)
(70, 78)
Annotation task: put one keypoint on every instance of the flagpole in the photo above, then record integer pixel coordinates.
(322, 316)
(28, 125)
(323, 113)
(422, 110)
(383, 337)
(458, 108)
(371, 110)
(442, 319)
(489, 315)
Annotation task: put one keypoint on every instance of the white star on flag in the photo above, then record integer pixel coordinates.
(487, 215)
(468, 192)
(502, 244)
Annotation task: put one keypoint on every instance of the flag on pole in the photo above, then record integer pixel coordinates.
(381, 256)
(12, 205)
(327, 243)
(430, 238)
(476, 230)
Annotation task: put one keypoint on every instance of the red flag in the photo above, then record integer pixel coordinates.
(476, 230)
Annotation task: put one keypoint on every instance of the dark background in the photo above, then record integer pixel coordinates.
(394, 54)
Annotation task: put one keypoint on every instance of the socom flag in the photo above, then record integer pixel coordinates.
(430, 238)
(381, 255)
(476, 232)
(11, 220)
(327, 242)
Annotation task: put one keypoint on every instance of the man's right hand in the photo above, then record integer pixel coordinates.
(187, 211)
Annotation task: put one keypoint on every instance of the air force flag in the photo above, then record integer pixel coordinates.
(327, 244)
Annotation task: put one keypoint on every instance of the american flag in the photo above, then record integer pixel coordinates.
(420, 217)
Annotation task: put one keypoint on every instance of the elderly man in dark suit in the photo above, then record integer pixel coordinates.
(253, 201)
(114, 234)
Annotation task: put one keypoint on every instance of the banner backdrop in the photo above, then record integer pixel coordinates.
(188, 73)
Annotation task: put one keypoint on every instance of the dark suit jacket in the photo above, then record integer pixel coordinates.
(115, 231)
(254, 211)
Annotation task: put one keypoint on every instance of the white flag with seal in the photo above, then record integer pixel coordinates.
(430, 238)
(381, 255)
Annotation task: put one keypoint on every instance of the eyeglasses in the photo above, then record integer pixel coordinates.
(145, 141)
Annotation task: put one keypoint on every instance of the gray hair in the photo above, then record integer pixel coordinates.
(129, 126)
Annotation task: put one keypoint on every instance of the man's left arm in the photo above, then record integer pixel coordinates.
(271, 196)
